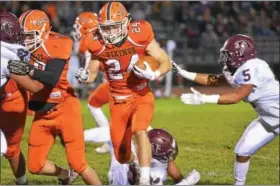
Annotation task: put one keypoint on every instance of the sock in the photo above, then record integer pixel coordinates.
(240, 172)
(144, 175)
(21, 180)
(97, 135)
(64, 174)
(99, 116)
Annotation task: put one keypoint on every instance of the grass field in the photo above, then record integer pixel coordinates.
(206, 137)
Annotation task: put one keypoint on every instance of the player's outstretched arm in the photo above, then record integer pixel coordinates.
(203, 79)
(154, 50)
(238, 94)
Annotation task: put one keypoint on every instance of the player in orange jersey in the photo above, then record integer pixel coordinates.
(118, 48)
(86, 23)
(57, 109)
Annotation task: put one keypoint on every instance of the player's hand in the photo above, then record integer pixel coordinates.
(148, 73)
(18, 67)
(194, 98)
(175, 67)
(82, 75)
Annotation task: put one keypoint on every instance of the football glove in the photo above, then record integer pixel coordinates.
(18, 67)
(82, 75)
(196, 98)
(148, 73)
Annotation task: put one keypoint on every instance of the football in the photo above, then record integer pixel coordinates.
(154, 64)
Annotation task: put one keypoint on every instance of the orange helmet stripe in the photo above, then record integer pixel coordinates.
(25, 16)
(108, 9)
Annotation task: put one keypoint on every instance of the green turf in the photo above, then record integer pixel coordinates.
(206, 137)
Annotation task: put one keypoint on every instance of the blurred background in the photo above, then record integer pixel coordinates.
(191, 32)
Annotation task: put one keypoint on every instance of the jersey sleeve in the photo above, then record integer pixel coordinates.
(141, 32)
(248, 74)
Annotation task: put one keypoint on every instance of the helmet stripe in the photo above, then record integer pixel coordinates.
(109, 10)
(24, 19)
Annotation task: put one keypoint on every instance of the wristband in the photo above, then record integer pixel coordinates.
(188, 75)
(210, 98)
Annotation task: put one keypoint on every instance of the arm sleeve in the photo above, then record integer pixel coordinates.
(52, 72)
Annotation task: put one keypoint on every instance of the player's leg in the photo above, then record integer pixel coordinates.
(249, 145)
(119, 132)
(13, 115)
(97, 99)
(141, 119)
(41, 139)
(71, 129)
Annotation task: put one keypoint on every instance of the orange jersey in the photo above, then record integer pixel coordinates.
(55, 46)
(119, 61)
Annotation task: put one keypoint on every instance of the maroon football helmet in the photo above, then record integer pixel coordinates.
(10, 28)
(236, 51)
(164, 146)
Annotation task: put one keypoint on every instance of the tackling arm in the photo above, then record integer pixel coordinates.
(203, 79)
(238, 94)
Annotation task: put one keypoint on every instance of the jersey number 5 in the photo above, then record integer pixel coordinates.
(115, 67)
(246, 74)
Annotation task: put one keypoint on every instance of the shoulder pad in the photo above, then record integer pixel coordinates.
(141, 32)
(59, 46)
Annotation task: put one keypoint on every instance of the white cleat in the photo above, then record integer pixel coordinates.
(105, 148)
(191, 179)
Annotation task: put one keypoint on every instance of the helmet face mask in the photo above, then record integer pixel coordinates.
(32, 40)
(113, 23)
(114, 32)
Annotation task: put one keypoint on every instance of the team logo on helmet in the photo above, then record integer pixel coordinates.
(240, 47)
(7, 28)
(40, 22)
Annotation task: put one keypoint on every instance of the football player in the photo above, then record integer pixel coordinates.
(117, 49)
(13, 99)
(164, 152)
(254, 82)
(57, 109)
(86, 23)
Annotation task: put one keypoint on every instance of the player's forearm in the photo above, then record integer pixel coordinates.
(233, 97)
(27, 83)
(174, 172)
(203, 79)
(93, 68)
(165, 66)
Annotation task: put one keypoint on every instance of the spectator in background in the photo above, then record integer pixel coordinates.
(137, 13)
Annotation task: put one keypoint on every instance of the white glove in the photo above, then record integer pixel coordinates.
(184, 73)
(148, 73)
(82, 75)
(191, 179)
(196, 98)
